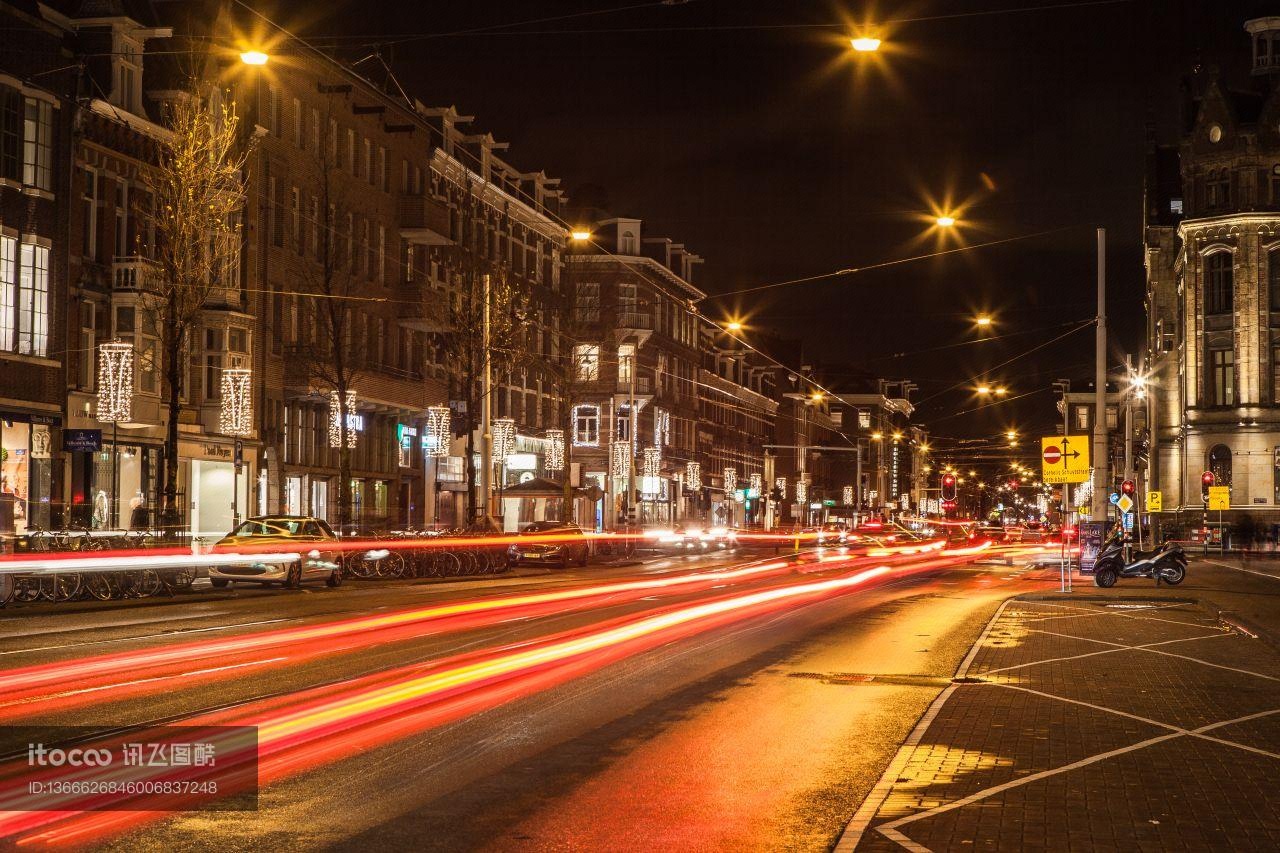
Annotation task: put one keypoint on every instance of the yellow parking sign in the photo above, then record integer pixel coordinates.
(1155, 501)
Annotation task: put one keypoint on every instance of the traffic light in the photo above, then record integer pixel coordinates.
(948, 487)
(1127, 488)
(947, 506)
(1206, 481)
(775, 494)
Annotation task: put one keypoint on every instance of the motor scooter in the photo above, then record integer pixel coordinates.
(1168, 563)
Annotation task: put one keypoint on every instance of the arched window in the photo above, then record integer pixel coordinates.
(1273, 278)
(1219, 291)
(628, 243)
(1220, 464)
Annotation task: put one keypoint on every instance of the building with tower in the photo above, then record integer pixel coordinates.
(1212, 244)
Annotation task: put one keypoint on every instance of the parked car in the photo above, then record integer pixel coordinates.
(573, 549)
(311, 538)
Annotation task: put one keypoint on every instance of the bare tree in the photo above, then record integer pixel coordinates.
(327, 254)
(563, 371)
(198, 194)
(461, 317)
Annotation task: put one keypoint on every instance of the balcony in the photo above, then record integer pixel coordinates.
(134, 273)
(634, 325)
(424, 221)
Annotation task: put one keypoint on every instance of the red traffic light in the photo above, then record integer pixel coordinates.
(1207, 479)
(948, 505)
(948, 488)
(1127, 488)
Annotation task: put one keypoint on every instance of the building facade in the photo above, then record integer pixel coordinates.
(37, 113)
(634, 370)
(1213, 291)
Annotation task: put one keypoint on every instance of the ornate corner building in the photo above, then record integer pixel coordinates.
(1212, 243)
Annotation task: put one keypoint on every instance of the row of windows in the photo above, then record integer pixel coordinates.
(344, 148)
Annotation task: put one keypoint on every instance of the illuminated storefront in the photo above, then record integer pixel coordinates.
(26, 471)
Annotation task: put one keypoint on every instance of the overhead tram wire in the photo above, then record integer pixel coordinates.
(507, 31)
(1082, 325)
(688, 305)
(884, 264)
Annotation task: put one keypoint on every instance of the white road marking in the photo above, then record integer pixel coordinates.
(855, 829)
(1242, 569)
(62, 629)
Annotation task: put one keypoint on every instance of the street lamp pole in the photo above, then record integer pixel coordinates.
(486, 427)
(1100, 466)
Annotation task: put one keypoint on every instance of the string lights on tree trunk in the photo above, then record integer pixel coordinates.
(693, 475)
(780, 484)
(730, 480)
(236, 414)
(115, 382)
(620, 458)
(504, 438)
(555, 450)
(335, 413)
(439, 432)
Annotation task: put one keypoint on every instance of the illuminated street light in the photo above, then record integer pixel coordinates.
(984, 390)
(580, 235)
(254, 57)
(865, 44)
(945, 221)
(875, 436)
(984, 321)
(733, 326)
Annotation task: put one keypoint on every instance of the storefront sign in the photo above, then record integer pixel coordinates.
(83, 440)
(522, 462)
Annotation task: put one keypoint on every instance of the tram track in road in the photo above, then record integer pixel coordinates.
(406, 589)
(358, 712)
(99, 680)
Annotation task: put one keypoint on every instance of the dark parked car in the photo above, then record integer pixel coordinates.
(572, 548)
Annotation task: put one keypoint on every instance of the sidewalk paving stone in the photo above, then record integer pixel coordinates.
(1072, 738)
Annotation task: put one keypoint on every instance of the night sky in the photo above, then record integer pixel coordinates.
(749, 131)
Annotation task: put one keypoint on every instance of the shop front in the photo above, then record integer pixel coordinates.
(217, 485)
(26, 471)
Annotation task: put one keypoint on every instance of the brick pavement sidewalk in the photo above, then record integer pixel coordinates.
(1078, 724)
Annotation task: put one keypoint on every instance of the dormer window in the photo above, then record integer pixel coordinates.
(628, 244)
(127, 76)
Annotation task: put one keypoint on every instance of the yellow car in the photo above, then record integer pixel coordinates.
(311, 538)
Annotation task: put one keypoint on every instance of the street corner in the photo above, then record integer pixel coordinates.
(1098, 724)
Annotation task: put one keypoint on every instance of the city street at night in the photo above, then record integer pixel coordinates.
(675, 425)
(748, 733)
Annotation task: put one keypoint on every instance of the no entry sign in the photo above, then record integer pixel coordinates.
(1064, 458)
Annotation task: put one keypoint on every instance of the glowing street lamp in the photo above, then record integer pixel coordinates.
(254, 57)
(944, 221)
(983, 320)
(865, 44)
(580, 235)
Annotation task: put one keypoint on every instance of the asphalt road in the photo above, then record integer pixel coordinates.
(764, 729)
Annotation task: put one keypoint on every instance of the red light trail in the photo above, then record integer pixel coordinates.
(312, 727)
